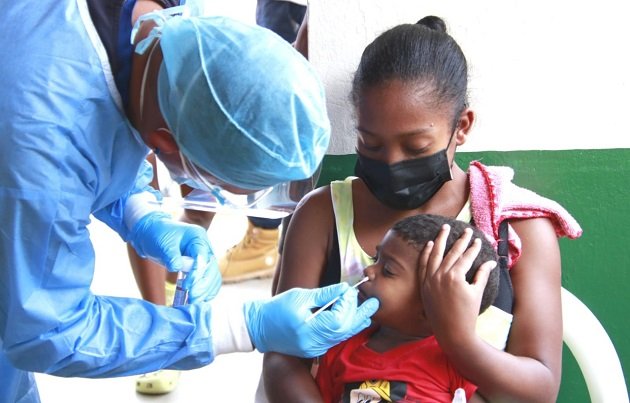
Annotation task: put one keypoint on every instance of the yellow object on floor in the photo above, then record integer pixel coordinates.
(157, 383)
(254, 257)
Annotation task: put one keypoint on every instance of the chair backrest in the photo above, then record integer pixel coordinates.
(593, 350)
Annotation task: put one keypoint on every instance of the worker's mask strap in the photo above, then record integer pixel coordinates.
(159, 17)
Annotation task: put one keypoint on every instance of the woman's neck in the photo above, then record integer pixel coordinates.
(451, 198)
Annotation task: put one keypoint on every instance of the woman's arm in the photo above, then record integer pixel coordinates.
(529, 369)
(302, 264)
(307, 242)
(288, 379)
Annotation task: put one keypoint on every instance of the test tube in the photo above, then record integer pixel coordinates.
(181, 294)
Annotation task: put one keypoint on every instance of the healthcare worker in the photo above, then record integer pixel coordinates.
(228, 107)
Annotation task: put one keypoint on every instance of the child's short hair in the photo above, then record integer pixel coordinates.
(419, 229)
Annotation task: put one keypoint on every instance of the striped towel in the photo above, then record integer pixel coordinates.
(495, 198)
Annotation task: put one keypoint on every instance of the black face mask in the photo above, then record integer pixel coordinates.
(405, 185)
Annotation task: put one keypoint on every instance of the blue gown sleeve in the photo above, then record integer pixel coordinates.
(114, 214)
(49, 319)
(52, 323)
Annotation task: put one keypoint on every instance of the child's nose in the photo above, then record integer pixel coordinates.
(369, 272)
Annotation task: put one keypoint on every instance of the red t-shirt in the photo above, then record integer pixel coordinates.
(412, 372)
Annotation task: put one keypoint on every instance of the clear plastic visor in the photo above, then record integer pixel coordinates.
(273, 202)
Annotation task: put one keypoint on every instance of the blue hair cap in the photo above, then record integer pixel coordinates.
(242, 103)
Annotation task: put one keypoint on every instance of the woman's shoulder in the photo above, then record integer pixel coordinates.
(323, 195)
(315, 209)
(316, 198)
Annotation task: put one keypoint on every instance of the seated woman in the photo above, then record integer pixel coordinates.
(410, 96)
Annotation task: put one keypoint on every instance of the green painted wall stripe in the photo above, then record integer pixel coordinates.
(593, 186)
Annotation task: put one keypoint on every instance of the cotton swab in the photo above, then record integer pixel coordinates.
(320, 310)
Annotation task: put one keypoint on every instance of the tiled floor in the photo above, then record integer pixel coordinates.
(230, 378)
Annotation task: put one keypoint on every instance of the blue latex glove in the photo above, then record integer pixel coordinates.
(279, 324)
(204, 283)
(160, 238)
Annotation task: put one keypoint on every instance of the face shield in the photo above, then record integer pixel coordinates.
(272, 202)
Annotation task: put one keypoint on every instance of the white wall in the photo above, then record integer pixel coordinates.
(244, 10)
(544, 75)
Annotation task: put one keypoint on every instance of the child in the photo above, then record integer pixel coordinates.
(398, 358)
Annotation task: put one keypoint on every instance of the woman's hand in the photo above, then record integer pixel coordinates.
(451, 303)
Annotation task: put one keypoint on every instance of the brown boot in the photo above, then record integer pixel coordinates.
(254, 257)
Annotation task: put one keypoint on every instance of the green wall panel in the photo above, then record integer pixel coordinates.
(593, 186)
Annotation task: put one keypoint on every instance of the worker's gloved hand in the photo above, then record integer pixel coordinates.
(160, 238)
(280, 325)
(204, 282)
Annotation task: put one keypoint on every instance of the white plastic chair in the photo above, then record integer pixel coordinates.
(594, 352)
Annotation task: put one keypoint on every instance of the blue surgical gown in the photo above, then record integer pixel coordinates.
(68, 153)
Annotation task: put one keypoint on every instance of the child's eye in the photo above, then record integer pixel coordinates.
(387, 272)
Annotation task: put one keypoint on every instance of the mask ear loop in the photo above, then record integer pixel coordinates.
(159, 17)
(143, 83)
(450, 139)
(450, 166)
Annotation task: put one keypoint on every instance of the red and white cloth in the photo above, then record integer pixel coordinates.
(495, 198)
